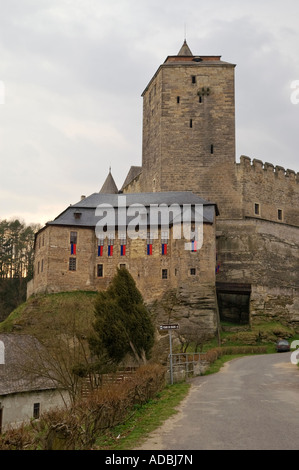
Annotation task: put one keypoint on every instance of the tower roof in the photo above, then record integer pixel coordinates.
(185, 50)
(109, 186)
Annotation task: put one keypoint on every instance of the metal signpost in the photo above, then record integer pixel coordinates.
(170, 328)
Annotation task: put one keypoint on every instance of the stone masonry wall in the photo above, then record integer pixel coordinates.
(189, 134)
(272, 188)
(264, 254)
(191, 275)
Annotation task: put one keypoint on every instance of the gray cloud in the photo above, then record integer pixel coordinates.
(74, 71)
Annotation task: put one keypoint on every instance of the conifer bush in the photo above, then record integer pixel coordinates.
(123, 326)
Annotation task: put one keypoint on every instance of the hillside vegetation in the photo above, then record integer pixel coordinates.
(45, 315)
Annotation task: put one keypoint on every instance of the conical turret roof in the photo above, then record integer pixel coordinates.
(109, 186)
(185, 50)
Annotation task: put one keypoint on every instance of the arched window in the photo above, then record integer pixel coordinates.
(2, 350)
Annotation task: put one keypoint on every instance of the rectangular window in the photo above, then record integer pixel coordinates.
(192, 271)
(73, 241)
(42, 266)
(177, 99)
(72, 264)
(149, 245)
(110, 246)
(193, 79)
(36, 410)
(164, 274)
(122, 266)
(191, 123)
(164, 241)
(73, 237)
(100, 246)
(257, 209)
(123, 243)
(100, 270)
(279, 214)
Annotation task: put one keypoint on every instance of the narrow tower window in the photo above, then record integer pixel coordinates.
(193, 79)
(100, 270)
(191, 123)
(257, 209)
(279, 214)
(72, 264)
(212, 148)
(178, 99)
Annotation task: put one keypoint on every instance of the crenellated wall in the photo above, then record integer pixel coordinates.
(268, 192)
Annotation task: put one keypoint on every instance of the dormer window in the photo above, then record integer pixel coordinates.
(77, 214)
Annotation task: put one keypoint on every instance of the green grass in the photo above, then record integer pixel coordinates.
(144, 419)
(44, 314)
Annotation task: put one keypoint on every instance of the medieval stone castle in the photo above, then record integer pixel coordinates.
(248, 265)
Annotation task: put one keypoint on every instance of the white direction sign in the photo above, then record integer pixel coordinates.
(169, 327)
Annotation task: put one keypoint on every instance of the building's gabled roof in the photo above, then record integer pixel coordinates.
(133, 173)
(16, 371)
(84, 214)
(109, 186)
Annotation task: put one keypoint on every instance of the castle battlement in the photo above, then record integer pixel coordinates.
(258, 166)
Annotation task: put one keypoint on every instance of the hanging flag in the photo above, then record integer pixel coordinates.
(122, 250)
(193, 246)
(149, 249)
(110, 250)
(217, 265)
(164, 248)
(73, 248)
(100, 250)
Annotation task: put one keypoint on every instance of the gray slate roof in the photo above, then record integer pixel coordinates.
(83, 213)
(15, 375)
(133, 173)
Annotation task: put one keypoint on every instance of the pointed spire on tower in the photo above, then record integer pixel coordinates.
(185, 50)
(109, 186)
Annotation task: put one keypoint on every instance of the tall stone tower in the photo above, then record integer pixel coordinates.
(189, 129)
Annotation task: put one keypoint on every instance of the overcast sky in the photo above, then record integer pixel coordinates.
(72, 73)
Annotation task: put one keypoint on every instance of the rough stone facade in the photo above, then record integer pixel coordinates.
(70, 256)
(53, 254)
(189, 145)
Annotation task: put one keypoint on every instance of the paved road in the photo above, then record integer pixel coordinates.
(252, 403)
